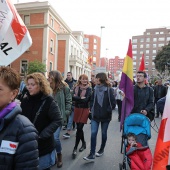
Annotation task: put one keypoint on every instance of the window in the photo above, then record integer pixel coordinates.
(26, 19)
(94, 52)
(156, 32)
(134, 57)
(52, 22)
(153, 57)
(148, 33)
(86, 40)
(161, 38)
(51, 46)
(154, 51)
(168, 38)
(147, 39)
(51, 66)
(160, 45)
(24, 66)
(134, 52)
(141, 46)
(134, 63)
(147, 51)
(154, 45)
(154, 39)
(95, 47)
(95, 41)
(147, 57)
(141, 52)
(134, 69)
(86, 46)
(153, 63)
(134, 40)
(147, 45)
(146, 63)
(161, 32)
(134, 46)
(142, 40)
(153, 69)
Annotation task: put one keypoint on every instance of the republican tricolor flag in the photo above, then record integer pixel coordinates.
(14, 36)
(126, 85)
(162, 149)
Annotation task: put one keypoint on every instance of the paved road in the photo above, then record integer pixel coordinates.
(112, 156)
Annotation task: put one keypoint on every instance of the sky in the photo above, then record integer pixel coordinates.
(122, 19)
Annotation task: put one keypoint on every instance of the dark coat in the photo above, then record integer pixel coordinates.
(82, 103)
(144, 100)
(71, 83)
(104, 113)
(17, 128)
(160, 104)
(163, 91)
(47, 122)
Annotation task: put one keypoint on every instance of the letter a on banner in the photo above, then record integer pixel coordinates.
(15, 36)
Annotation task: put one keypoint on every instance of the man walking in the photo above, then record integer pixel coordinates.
(143, 97)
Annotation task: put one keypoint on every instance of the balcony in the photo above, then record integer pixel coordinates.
(74, 59)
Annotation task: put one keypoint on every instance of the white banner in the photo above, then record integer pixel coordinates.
(16, 40)
(5, 18)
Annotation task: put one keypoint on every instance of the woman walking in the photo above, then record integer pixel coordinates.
(41, 109)
(81, 96)
(103, 102)
(62, 95)
(18, 136)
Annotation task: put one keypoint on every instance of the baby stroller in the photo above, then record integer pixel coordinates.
(139, 125)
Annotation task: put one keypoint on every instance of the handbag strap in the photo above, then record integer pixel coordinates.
(38, 112)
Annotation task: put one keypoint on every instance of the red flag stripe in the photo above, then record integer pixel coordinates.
(18, 28)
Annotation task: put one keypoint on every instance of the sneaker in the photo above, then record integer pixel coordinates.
(65, 127)
(100, 153)
(90, 157)
(66, 135)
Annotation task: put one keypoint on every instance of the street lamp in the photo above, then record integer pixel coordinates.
(101, 43)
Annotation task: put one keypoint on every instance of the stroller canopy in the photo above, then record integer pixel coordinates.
(137, 123)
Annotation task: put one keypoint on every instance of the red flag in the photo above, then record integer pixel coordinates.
(161, 154)
(90, 60)
(142, 64)
(15, 37)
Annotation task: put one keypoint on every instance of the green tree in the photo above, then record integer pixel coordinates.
(36, 66)
(162, 58)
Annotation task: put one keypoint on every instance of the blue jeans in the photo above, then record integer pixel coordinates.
(57, 140)
(94, 131)
(70, 121)
(47, 160)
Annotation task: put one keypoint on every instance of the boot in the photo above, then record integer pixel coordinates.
(74, 154)
(59, 160)
(82, 147)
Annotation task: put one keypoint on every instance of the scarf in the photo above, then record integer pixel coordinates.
(83, 90)
(7, 109)
(99, 92)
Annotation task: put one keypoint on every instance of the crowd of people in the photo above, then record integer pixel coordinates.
(48, 104)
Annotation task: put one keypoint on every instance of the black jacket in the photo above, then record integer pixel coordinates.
(82, 103)
(104, 113)
(71, 83)
(17, 128)
(47, 122)
(144, 100)
(160, 91)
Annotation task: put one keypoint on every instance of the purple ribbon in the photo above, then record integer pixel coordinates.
(7, 109)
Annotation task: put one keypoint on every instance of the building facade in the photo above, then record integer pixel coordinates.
(149, 43)
(92, 45)
(115, 66)
(53, 41)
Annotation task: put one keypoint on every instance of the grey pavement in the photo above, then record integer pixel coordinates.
(112, 156)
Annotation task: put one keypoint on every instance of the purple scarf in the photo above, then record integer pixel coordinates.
(7, 109)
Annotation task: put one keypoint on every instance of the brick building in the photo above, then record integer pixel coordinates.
(53, 41)
(149, 43)
(92, 45)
